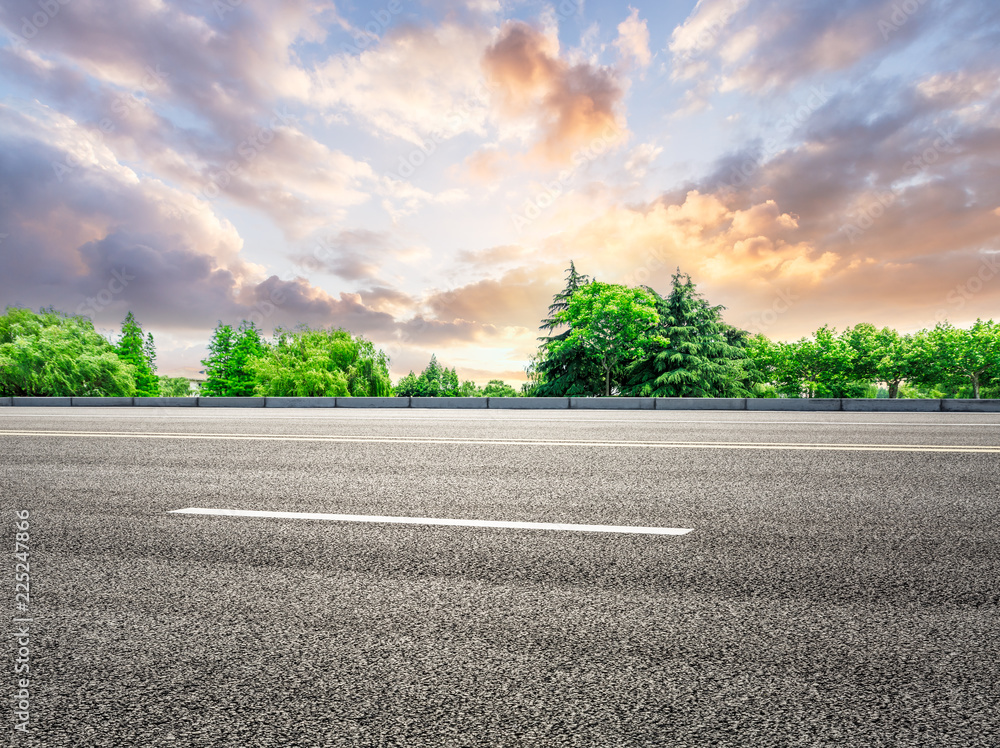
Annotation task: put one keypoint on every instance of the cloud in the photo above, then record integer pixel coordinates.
(883, 207)
(92, 236)
(194, 99)
(633, 39)
(417, 82)
(566, 106)
(518, 298)
(759, 46)
(352, 254)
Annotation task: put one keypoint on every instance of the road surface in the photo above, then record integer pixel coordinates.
(838, 586)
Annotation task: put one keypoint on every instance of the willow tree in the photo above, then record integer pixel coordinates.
(49, 353)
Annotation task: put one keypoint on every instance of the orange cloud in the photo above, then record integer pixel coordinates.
(568, 105)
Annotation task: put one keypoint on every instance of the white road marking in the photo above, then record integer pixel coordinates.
(181, 414)
(337, 439)
(437, 521)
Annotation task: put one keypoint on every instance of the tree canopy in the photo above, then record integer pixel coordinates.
(690, 353)
(49, 353)
(613, 324)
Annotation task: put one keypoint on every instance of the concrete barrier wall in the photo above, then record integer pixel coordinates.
(869, 405)
(373, 402)
(971, 406)
(612, 403)
(165, 402)
(885, 405)
(231, 402)
(701, 403)
(529, 403)
(449, 402)
(102, 402)
(41, 402)
(300, 402)
(793, 404)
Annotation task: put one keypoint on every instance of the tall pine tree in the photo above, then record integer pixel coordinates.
(698, 355)
(218, 364)
(565, 370)
(227, 366)
(138, 350)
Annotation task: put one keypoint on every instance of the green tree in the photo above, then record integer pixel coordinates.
(218, 365)
(468, 388)
(248, 346)
(430, 383)
(139, 351)
(227, 368)
(407, 386)
(881, 355)
(971, 356)
(368, 372)
(561, 368)
(434, 381)
(612, 323)
(307, 362)
(820, 366)
(693, 353)
(498, 388)
(174, 386)
(53, 354)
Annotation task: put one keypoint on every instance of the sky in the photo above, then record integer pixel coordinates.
(421, 172)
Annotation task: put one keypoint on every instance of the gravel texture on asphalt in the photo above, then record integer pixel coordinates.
(824, 598)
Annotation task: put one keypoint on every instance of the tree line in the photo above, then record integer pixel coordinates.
(601, 339)
(606, 339)
(50, 353)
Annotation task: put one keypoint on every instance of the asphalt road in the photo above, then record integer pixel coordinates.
(840, 584)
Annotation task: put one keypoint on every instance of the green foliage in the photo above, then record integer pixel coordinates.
(307, 362)
(228, 366)
(407, 386)
(174, 386)
(692, 353)
(468, 388)
(54, 354)
(613, 324)
(964, 359)
(564, 368)
(434, 381)
(498, 388)
(821, 366)
(137, 349)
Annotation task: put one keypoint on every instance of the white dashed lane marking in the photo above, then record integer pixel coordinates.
(436, 521)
